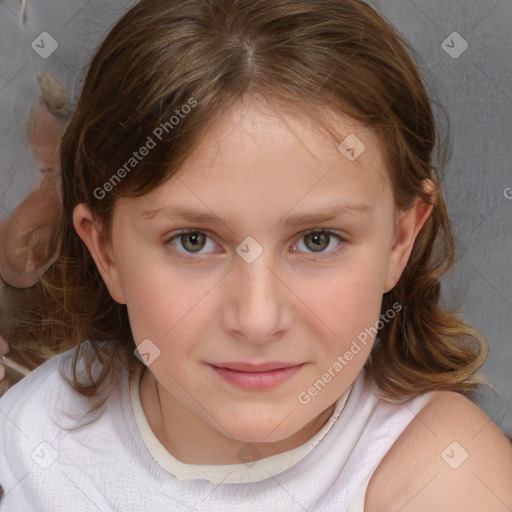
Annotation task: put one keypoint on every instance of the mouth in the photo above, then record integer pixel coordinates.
(262, 376)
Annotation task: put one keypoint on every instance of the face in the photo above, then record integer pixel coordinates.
(257, 284)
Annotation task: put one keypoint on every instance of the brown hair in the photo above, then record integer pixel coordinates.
(324, 56)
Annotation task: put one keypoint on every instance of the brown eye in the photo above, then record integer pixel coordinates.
(189, 242)
(317, 241)
(192, 241)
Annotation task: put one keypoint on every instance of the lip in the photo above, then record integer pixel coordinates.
(255, 368)
(261, 376)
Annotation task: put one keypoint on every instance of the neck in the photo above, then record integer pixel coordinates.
(192, 441)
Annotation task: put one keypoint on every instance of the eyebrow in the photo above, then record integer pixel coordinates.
(331, 212)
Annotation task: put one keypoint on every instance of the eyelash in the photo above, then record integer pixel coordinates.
(189, 257)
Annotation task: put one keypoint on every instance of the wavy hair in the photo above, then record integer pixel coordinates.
(323, 56)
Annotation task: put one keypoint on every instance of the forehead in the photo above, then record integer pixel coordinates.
(256, 156)
(251, 127)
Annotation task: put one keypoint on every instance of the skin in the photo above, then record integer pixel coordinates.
(255, 168)
(414, 477)
(25, 253)
(44, 135)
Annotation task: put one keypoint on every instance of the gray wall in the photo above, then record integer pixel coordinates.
(474, 88)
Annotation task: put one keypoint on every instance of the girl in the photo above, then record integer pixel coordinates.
(250, 199)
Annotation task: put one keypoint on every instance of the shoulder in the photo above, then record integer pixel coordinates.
(33, 409)
(25, 406)
(48, 431)
(45, 374)
(25, 420)
(451, 457)
(31, 391)
(46, 395)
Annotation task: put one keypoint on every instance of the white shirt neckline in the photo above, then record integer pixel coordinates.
(224, 473)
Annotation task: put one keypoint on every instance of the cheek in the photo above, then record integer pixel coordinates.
(158, 305)
(342, 304)
(165, 304)
(153, 291)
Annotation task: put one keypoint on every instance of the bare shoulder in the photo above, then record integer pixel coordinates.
(452, 457)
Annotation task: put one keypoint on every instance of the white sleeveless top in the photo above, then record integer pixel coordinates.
(116, 463)
(359, 433)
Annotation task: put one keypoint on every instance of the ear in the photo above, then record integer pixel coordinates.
(90, 231)
(408, 224)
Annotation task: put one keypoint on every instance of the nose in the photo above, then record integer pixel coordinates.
(258, 304)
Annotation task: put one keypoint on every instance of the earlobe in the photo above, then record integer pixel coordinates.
(409, 224)
(89, 231)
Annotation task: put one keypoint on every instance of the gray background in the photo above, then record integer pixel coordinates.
(474, 89)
